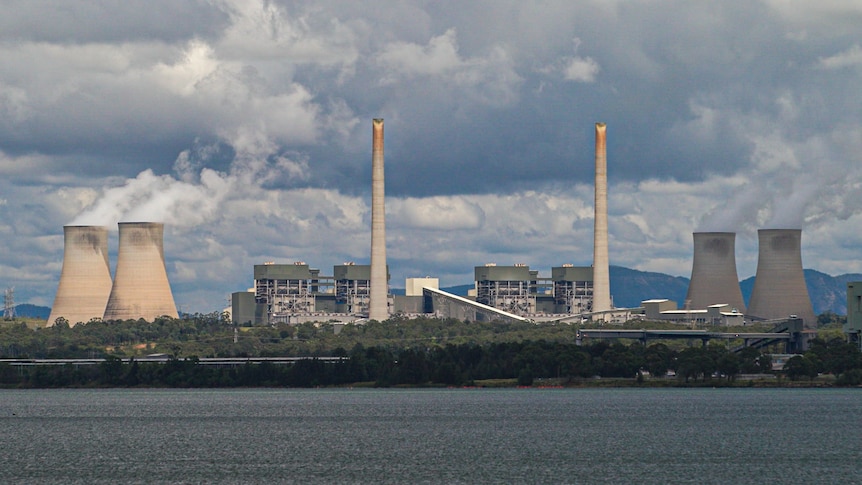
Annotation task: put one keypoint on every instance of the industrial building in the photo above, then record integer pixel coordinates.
(295, 293)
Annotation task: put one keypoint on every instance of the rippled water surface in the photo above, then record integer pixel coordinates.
(431, 436)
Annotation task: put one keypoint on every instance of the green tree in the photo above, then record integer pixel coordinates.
(799, 366)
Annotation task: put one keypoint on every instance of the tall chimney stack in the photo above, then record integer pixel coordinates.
(85, 280)
(779, 284)
(601, 272)
(378, 308)
(141, 288)
(713, 272)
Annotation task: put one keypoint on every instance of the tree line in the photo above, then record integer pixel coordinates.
(417, 352)
(449, 365)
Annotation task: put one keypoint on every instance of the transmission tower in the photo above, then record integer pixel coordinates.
(9, 307)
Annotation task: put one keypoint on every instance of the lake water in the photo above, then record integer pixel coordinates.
(729, 436)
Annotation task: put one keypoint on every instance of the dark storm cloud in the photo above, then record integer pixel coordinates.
(113, 21)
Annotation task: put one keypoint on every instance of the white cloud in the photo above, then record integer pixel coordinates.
(491, 79)
(848, 58)
(583, 69)
(439, 57)
(438, 213)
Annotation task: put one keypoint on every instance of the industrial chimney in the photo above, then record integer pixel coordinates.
(141, 288)
(713, 272)
(85, 280)
(779, 285)
(601, 272)
(378, 308)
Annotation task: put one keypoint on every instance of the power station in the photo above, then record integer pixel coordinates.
(295, 293)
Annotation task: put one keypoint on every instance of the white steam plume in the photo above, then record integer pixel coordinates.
(786, 202)
(196, 195)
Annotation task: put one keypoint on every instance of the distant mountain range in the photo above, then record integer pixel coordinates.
(629, 287)
(32, 311)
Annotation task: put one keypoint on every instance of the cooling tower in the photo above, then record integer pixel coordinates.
(378, 308)
(713, 272)
(141, 288)
(85, 280)
(601, 272)
(779, 285)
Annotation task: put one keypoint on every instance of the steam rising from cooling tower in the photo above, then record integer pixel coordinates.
(85, 280)
(714, 278)
(601, 271)
(378, 308)
(779, 285)
(141, 288)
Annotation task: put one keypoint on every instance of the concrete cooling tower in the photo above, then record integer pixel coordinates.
(713, 272)
(85, 280)
(141, 288)
(601, 270)
(378, 308)
(779, 285)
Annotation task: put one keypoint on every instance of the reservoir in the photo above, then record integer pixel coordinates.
(431, 436)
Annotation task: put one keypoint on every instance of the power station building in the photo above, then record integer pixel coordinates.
(295, 293)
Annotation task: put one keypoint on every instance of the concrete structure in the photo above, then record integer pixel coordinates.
(141, 288)
(508, 288)
(573, 289)
(378, 306)
(713, 272)
(601, 269)
(285, 290)
(353, 288)
(295, 293)
(414, 286)
(85, 280)
(779, 286)
(853, 327)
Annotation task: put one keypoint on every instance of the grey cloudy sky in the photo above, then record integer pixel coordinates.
(245, 125)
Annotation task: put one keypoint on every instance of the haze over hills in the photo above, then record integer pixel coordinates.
(629, 287)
